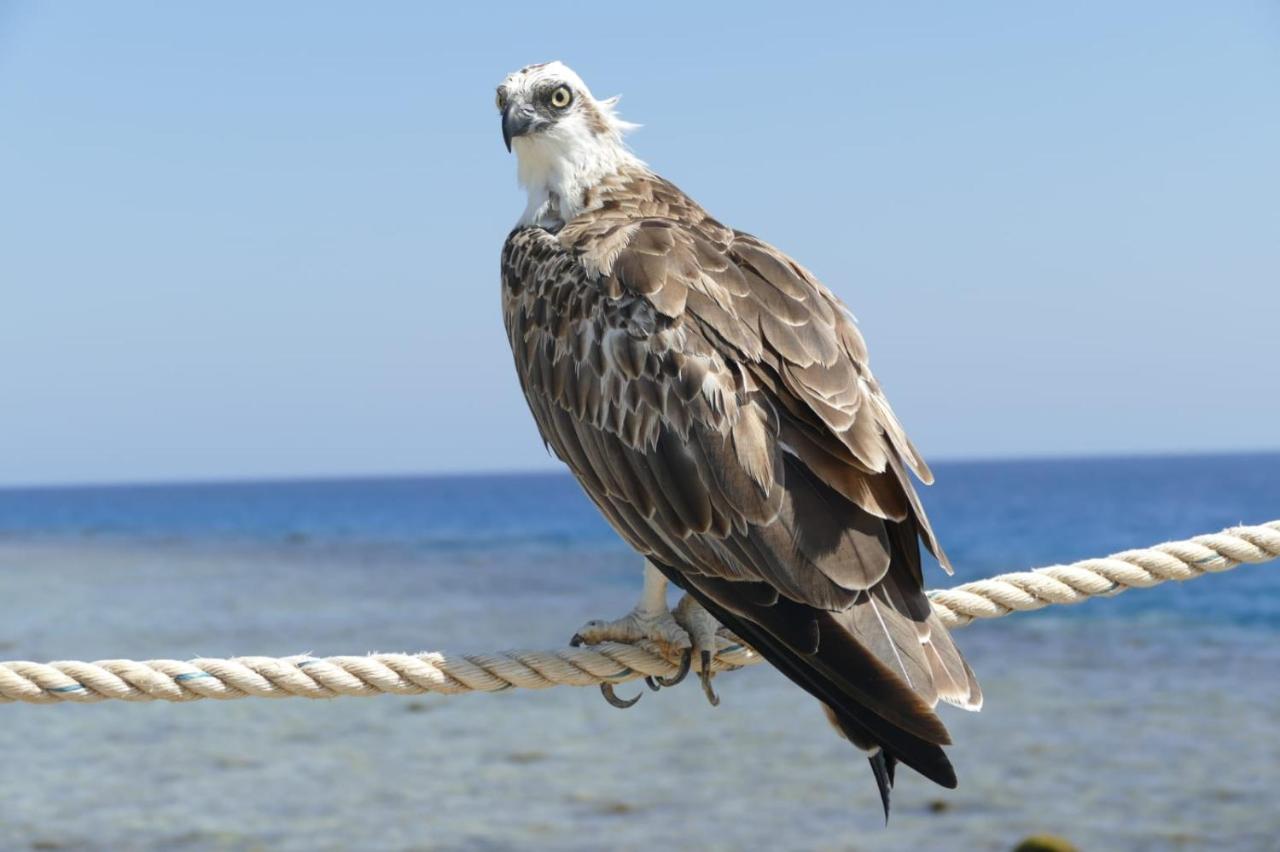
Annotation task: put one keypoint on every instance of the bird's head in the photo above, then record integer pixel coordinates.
(565, 139)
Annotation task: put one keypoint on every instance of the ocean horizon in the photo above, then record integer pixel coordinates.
(557, 469)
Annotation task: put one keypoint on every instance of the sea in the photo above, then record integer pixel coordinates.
(1147, 721)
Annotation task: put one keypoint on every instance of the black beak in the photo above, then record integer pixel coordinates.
(516, 121)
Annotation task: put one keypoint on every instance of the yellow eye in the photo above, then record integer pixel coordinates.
(561, 97)
(501, 100)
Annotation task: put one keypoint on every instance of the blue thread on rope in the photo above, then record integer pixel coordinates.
(71, 688)
(191, 676)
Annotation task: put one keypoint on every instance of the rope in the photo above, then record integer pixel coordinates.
(1091, 578)
(414, 674)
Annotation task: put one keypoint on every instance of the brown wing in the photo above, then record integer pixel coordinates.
(800, 345)
(713, 401)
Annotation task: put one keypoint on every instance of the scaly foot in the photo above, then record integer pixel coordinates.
(701, 628)
(659, 627)
(687, 632)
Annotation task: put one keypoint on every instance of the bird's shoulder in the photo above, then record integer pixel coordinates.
(759, 306)
(609, 357)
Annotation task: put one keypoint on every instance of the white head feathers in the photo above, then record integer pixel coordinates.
(565, 139)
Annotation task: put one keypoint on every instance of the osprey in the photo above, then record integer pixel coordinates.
(714, 401)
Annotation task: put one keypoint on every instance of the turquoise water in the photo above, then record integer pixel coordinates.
(1147, 721)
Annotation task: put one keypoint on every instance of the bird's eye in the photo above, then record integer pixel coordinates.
(501, 100)
(561, 97)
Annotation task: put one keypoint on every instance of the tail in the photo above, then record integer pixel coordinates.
(878, 667)
(882, 766)
(868, 705)
(883, 762)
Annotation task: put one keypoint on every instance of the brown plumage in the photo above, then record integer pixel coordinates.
(714, 400)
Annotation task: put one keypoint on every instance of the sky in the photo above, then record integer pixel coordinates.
(261, 240)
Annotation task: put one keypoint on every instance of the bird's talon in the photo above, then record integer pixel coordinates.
(686, 661)
(606, 689)
(705, 677)
(709, 691)
(684, 632)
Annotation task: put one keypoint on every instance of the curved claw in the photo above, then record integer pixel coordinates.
(705, 676)
(651, 683)
(576, 640)
(606, 689)
(686, 661)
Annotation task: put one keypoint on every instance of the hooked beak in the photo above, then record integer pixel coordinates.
(516, 121)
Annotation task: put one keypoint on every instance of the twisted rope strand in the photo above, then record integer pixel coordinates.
(414, 674)
(1025, 591)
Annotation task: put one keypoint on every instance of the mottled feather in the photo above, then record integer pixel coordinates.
(714, 400)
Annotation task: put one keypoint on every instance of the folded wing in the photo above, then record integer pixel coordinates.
(714, 400)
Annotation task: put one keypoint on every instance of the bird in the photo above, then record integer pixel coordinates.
(714, 401)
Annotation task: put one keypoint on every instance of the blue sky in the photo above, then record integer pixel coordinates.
(244, 239)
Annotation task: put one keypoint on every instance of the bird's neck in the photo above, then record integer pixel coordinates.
(559, 178)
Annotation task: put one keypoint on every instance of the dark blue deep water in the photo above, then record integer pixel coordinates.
(1145, 721)
(991, 516)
